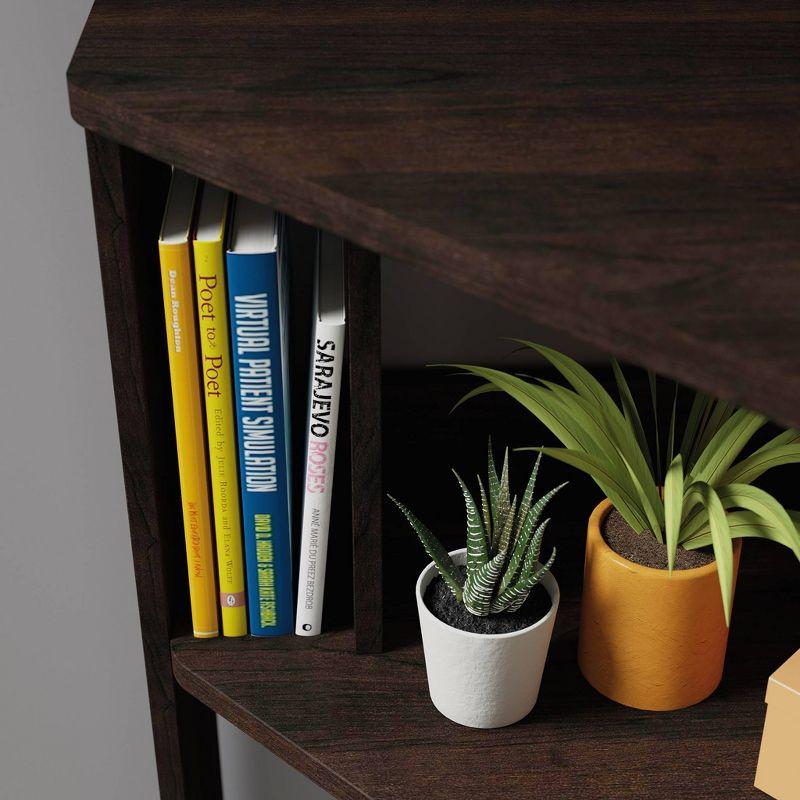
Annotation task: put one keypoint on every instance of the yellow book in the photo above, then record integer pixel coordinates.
(174, 247)
(215, 368)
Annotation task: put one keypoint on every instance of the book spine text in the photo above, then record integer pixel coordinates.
(179, 310)
(323, 416)
(261, 425)
(217, 385)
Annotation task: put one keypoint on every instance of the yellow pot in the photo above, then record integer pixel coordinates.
(647, 639)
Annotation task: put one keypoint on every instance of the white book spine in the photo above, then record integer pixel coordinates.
(323, 416)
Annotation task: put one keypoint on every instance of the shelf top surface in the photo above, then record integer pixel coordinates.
(618, 170)
(364, 726)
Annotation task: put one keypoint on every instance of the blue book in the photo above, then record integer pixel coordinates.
(258, 311)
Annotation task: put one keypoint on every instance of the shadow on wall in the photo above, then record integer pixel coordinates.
(426, 322)
(251, 772)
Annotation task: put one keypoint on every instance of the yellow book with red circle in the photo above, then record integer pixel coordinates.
(217, 387)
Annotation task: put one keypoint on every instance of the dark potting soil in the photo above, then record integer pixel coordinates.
(440, 601)
(643, 548)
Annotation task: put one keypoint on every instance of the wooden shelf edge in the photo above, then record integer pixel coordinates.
(621, 331)
(256, 729)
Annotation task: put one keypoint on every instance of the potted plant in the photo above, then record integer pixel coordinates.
(486, 611)
(656, 605)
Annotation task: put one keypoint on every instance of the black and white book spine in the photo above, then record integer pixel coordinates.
(323, 415)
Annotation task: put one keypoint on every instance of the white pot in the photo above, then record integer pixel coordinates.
(483, 680)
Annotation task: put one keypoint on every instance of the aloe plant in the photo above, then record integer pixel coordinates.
(504, 541)
(707, 498)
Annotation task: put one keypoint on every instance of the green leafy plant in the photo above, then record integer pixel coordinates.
(504, 540)
(707, 498)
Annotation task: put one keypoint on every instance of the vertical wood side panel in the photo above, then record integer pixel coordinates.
(128, 191)
(364, 356)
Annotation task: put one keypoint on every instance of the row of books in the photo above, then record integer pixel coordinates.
(225, 286)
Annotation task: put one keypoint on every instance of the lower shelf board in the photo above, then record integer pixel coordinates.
(364, 727)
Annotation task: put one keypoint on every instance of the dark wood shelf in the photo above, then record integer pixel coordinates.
(620, 171)
(364, 726)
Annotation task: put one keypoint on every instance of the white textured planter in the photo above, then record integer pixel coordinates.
(483, 680)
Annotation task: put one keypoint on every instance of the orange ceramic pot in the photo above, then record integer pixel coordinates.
(647, 639)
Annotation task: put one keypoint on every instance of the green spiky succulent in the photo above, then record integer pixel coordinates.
(504, 540)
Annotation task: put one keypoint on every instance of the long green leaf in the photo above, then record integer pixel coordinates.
(588, 425)
(739, 495)
(721, 540)
(632, 412)
(693, 522)
(541, 403)
(671, 435)
(725, 446)
(619, 496)
(653, 510)
(752, 467)
(584, 383)
(750, 524)
(720, 413)
(590, 390)
(789, 436)
(673, 507)
(568, 419)
(651, 379)
(477, 552)
(723, 550)
(485, 388)
(434, 548)
(701, 429)
(527, 395)
(602, 432)
(690, 432)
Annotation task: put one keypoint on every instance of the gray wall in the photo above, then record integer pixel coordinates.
(425, 322)
(73, 705)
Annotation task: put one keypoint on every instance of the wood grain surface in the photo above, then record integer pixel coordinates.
(364, 727)
(129, 191)
(624, 171)
(363, 271)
